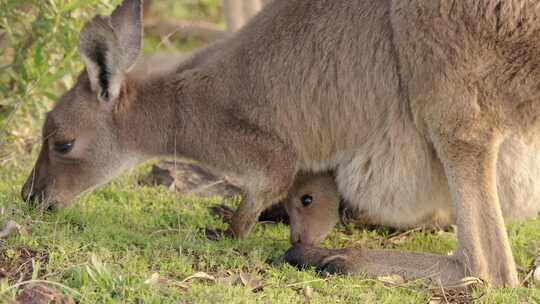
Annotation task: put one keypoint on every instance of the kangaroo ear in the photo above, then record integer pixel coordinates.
(109, 47)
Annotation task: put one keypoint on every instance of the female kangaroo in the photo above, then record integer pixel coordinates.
(403, 99)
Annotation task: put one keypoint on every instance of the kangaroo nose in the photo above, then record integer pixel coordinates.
(26, 193)
(30, 194)
(37, 197)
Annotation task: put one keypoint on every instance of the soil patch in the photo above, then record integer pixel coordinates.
(18, 263)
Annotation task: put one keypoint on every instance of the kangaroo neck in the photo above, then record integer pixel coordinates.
(174, 115)
(145, 119)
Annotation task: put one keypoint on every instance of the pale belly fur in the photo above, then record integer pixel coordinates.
(398, 181)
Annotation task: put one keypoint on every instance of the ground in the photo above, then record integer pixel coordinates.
(128, 243)
(131, 243)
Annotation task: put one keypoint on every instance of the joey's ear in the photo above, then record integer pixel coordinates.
(109, 47)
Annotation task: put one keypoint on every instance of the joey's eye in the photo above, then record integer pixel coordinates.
(64, 147)
(306, 200)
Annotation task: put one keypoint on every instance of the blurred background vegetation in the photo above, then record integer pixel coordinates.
(39, 58)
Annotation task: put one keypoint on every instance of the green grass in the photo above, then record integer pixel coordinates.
(126, 243)
(108, 246)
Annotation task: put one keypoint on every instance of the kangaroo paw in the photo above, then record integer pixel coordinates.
(241, 225)
(223, 212)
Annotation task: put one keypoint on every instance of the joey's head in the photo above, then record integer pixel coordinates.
(81, 147)
(313, 208)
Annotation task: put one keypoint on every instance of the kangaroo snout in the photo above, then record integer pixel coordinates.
(37, 196)
(35, 190)
(29, 194)
(39, 188)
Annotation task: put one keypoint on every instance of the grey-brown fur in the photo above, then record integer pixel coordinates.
(403, 99)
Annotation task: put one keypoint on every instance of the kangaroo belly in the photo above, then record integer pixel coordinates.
(518, 178)
(395, 180)
(398, 181)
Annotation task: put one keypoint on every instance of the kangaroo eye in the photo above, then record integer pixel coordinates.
(64, 147)
(306, 200)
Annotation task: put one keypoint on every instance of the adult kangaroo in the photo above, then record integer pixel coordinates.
(398, 97)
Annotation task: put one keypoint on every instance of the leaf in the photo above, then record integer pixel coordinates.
(153, 279)
(38, 58)
(52, 96)
(251, 281)
(71, 6)
(308, 292)
(10, 228)
(392, 279)
(200, 276)
(229, 280)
